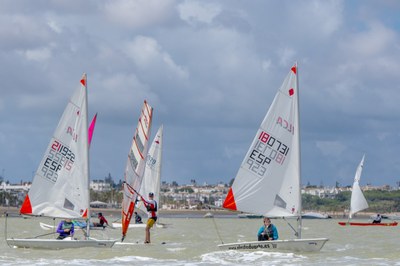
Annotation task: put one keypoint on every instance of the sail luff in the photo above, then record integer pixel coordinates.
(86, 147)
(299, 223)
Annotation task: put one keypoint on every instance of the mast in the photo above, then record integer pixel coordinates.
(299, 221)
(86, 143)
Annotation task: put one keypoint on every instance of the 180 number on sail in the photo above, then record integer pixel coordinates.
(266, 149)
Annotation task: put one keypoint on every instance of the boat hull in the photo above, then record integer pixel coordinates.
(250, 216)
(366, 224)
(306, 245)
(59, 244)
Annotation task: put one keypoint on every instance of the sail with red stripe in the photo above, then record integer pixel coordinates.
(268, 180)
(60, 187)
(135, 165)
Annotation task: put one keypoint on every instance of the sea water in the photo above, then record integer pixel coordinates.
(194, 241)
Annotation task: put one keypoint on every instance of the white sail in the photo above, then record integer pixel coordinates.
(268, 181)
(152, 174)
(358, 201)
(60, 187)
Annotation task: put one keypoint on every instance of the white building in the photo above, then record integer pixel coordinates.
(100, 185)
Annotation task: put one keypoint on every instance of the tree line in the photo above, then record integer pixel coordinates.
(379, 201)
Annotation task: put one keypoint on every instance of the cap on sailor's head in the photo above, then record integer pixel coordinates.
(151, 194)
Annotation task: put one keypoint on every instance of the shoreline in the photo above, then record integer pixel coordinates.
(112, 212)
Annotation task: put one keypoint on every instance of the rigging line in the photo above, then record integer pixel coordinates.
(216, 229)
(5, 230)
(294, 230)
(32, 237)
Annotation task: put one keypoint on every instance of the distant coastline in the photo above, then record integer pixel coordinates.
(182, 213)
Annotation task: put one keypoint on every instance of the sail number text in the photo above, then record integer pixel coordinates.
(266, 149)
(59, 157)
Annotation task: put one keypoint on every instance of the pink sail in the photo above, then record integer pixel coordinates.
(91, 128)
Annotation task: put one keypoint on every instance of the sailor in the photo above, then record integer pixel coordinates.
(377, 219)
(151, 206)
(102, 221)
(65, 228)
(268, 231)
(138, 218)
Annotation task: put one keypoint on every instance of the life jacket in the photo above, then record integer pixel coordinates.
(150, 208)
(269, 232)
(66, 225)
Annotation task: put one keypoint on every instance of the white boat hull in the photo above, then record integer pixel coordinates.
(143, 225)
(59, 244)
(307, 245)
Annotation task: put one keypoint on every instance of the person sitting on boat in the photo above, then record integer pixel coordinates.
(377, 219)
(138, 218)
(151, 206)
(102, 221)
(65, 228)
(268, 231)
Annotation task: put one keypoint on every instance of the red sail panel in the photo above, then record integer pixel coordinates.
(26, 207)
(229, 202)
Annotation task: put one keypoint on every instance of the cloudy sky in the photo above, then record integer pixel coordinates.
(210, 69)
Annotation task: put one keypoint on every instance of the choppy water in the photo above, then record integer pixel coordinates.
(193, 241)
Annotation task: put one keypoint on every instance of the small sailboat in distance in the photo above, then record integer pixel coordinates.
(358, 201)
(268, 180)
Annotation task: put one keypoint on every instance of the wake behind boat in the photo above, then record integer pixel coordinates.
(268, 180)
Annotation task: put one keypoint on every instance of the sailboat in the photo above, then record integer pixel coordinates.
(151, 178)
(135, 166)
(60, 187)
(268, 180)
(358, 201)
